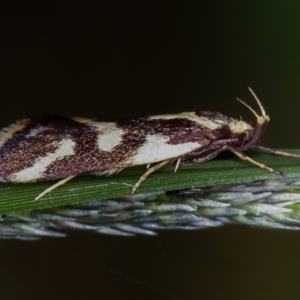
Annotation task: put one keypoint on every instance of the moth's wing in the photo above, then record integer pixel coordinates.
(168, 137)
(53, 147)
(30, 147)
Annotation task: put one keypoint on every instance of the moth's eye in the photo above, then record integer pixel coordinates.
(248, 135)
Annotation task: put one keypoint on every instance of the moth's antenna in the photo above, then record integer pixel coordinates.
(264, 115)
(254, 112)
(261, 125)
(258, 102)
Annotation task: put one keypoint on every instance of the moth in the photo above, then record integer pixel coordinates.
(53, 147)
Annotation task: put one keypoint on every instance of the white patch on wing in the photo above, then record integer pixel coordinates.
(37, 131)
(192, 117)
(109, 135)
(156, 149)
(65, 148)
(8, 132)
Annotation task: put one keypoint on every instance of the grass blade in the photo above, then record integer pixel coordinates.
(226, 169)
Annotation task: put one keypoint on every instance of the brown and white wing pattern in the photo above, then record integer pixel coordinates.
(54, 147)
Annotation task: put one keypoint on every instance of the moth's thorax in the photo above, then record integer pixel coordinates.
(239, 126)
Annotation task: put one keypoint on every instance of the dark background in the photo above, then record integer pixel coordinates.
(116, 59)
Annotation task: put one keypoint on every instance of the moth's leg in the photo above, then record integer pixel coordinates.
(277, 152)
(203, 158)
(53, 187)
(244, 157)
(210, 156)
(177, 164)
(150, 170)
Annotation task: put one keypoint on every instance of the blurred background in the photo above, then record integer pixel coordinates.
(119, 59)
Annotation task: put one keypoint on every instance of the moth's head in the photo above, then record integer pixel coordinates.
(241, 131)
(254, 134)
(264, 118)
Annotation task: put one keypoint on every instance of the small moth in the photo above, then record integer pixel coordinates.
(53, 147)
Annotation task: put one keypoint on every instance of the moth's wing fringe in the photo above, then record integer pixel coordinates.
(108, 172)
